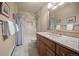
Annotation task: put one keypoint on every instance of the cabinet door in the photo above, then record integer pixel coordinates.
(61, 51)
(49, 52)
(42, 49)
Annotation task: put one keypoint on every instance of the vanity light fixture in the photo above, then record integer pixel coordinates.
(49, 5)
(58, 5)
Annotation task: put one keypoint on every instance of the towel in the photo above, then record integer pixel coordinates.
(58, 27)
(5, 30)
(70, 27)
(17, 29)
(11, 27)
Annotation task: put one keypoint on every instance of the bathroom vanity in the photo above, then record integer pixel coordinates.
(49, 44)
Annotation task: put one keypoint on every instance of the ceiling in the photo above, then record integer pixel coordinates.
(29, 6)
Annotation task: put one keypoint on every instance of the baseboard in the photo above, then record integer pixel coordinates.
(12, 51)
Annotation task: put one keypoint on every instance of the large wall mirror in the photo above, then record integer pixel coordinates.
(66, 15)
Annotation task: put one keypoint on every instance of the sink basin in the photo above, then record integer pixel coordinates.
(47, 33)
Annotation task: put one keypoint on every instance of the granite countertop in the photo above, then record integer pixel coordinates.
(71, 42)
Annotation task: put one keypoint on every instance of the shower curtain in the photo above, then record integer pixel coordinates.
(19, 34)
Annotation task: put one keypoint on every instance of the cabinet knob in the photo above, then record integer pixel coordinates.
(63, 54)
(72, 55)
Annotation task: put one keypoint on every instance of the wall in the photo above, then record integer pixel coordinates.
(68, 10)
(42, 19)
(7, 45)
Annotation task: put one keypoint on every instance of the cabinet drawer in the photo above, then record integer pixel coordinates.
(61, 51)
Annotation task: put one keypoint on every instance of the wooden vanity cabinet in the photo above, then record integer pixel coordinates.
(46, 47)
